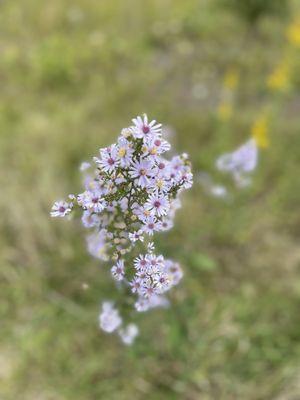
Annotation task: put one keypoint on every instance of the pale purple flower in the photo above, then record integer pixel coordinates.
(135, 236)
(151, 225)
(84, 166)
(154, 146)
(166, 224)
(150, 247)
(174, 271)
(142, 128)
(143, 304)
(136, 284)
(157, 205)
(109, 318)
(96, 243)
(162, 168)
(244, 159)
(61, 209)
(108, 160)
(140, 262)
(129, 334)
(89, 219)
(118, 270)
(125, 152)
(141, 171)
(92, 200)
(161, 282)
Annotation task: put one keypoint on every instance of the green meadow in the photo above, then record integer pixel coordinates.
(73, 74)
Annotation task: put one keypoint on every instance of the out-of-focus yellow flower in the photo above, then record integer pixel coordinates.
(225, 111)
(293, 32)
(279, 79)
(231, 78)
(260, 131)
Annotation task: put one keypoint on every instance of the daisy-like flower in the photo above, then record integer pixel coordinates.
(155, 146)
(166, 224)
(84, 166)
(162, 282)
(92, 201)
(61, 209)
(160, 184)
(142, 128)
(118, 270)
(129, 334)
(157, 205)
(136, 284)
(151, 225)
(187, 180)
(140, 262)
(108, 160)
(89, 220)
(125, 152)
(141, 171)
(162, 168)
(96, 244)
(135, 236)
(240, 162)
(155, 264)
(244, 159)
(109, 319)
(174, 271)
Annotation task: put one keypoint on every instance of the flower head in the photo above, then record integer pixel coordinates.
(61, 209)
(143, 129)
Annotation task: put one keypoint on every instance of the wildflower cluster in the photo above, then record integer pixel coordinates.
(132, 194)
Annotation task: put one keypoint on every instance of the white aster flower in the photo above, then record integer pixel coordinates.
(109, 318)
(61, 209)
(142, 128)
(129, 334)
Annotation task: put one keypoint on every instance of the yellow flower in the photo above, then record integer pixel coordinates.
(231, 78)
(260, 131)
(293, 33)
(279, 78)
(225, 111)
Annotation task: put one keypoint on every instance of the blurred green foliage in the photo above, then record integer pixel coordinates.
(73, 74)
(252, 10)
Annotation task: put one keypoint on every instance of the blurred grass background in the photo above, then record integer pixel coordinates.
(73, 73)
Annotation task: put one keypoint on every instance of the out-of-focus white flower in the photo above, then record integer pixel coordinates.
(84, 166)
(128, 334)
(109, 318)
(240, 162)
(61, 209)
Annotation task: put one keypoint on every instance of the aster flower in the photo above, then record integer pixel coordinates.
(61, 209)
(125, 152)
(141, 171)
(155, 146)
(109, 318)
(118, 271)
(151, 225)
(135, 236)
(136, 284)
(96, 244)
(157, 205)
(242, 160)
(92, 200)
(142, 128)
(90, 220)
(140, 262)
(108, 160)
(129, 334)
(166, 224)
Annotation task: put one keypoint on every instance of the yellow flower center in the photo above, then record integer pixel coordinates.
(122, 152)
